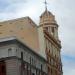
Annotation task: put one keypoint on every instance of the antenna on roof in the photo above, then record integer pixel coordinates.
(45, 4)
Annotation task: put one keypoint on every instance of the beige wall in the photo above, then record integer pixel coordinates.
(41, 42)
(23, 29)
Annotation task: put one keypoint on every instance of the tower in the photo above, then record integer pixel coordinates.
(47, 20)
(49, 42)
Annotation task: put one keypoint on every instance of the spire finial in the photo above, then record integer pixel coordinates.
(45, 4)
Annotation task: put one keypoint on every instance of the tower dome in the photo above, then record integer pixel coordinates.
(49, 24)
(47, 18)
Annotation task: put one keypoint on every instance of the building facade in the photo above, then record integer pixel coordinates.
(28, 49)
(51, 41)
(17, 59)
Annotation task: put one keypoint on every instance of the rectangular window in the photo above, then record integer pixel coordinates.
(52, 29)
(22, 55)
(9, 52)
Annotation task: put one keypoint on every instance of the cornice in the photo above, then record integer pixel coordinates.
(52, 38)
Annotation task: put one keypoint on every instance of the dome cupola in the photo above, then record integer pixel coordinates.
(47, 17)
(49, 24)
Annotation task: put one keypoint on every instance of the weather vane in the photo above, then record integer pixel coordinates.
(45, 4)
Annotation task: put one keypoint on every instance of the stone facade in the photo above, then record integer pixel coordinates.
(50, 42)
(14, 63)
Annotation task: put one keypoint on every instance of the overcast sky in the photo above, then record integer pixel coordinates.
(64, 11)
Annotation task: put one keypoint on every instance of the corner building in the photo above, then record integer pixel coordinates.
(51, 42)
(28, 49)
